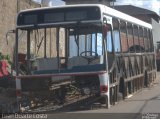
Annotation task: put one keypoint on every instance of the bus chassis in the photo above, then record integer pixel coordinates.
(93, 64)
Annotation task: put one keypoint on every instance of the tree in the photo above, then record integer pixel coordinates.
(45, 2)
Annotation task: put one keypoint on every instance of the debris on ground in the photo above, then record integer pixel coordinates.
(7, 86)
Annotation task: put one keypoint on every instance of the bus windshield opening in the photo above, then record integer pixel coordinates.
(63, 49)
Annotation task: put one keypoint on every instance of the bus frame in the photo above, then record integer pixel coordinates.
(124, 71)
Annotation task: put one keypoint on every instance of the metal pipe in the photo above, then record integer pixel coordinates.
(45, 44)
(78, 43)
(148, 41)
(85, 45)
(143, 38)
(119, 29)
(133, 38)
(96, 43)
(57, 46)
(139, 39)
(91, 46)
(50, 47)
(127, 36)
(66, 46)
(28, 51)
(17, 6)
(16, 53)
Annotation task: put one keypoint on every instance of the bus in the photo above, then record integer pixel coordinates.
(81, 51)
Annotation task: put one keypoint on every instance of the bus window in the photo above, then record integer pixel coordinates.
(130, 37)
(151, 41)
(117, 46)
(136, 39)
(141, 39)
(99, 43)
(158, 47)
(116, 36)
(89, 42)
(109, 38)
(146, 42)
(124, 40)
(72, 46)
(109, 42)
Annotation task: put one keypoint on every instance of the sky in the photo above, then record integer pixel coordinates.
(153, 5)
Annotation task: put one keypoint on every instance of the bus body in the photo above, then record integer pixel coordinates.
(105, 53)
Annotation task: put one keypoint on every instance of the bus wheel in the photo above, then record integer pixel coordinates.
(122, 87)
(105, 101)
(146, 79)
(130, 86)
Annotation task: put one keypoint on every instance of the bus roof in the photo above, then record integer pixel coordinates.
(104, 10)
(120, 15)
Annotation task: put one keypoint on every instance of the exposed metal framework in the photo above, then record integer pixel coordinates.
(104, 55)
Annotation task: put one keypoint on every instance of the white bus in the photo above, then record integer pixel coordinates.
(106, 53)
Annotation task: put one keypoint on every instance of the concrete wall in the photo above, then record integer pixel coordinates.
(7, 22)
(8, 14)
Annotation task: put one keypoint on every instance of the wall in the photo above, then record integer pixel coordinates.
(8, 13)
(7, 22)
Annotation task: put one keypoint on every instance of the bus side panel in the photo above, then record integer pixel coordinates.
(104, 87)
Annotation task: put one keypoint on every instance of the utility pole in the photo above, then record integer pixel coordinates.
(17, 6)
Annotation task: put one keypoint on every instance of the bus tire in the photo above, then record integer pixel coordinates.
(106, 102)
(146, 79)
(122, 87)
